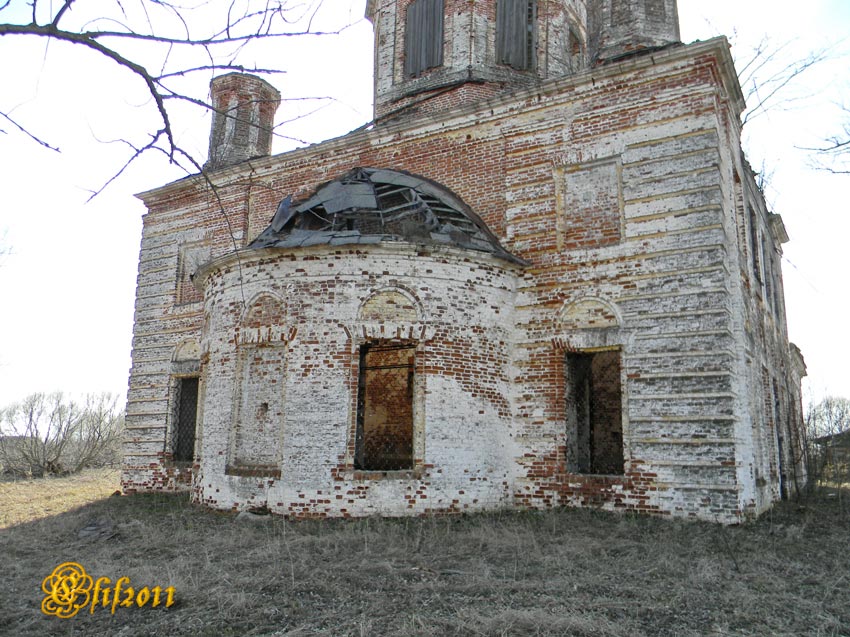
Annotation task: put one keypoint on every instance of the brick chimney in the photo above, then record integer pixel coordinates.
(243, 118)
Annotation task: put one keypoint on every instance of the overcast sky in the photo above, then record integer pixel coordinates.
(67, 287)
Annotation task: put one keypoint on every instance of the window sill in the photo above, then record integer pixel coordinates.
(252, 471)
(180, 464)
(601, 477)
(363, 475)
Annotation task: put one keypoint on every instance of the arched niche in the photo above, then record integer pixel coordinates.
(265, 309)
(265, 321)
(391, 305)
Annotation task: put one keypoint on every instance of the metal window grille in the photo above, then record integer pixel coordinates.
(384, 435)
(185, 420)
(594, 399)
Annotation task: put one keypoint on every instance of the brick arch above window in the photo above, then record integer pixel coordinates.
(589, 313)
(263, 310)
(588, 323)
(186, 350)
(265, 321)
(395, 305)
(186, 357)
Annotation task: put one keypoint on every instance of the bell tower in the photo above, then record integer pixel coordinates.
(435, 55)
(432, 55)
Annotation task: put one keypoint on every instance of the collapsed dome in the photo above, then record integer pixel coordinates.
(370, 205)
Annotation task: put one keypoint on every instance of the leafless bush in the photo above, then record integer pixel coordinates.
(828, 441)
(51, 434)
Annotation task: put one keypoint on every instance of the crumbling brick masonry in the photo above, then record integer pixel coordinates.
(544, 276)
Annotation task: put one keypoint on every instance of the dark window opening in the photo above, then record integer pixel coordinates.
(594, 412)
(384, 436)
(515, 33)
(769, 266)
(765, 264)
(780, 440)
(423, 37)
(185, 420)
(754, 242)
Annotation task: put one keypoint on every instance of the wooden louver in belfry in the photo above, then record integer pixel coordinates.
(423, 37)
(515, 44)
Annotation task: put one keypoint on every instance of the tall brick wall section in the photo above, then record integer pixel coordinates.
(769, 373)
(664, 258)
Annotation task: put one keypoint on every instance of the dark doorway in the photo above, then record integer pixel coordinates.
(594, 412)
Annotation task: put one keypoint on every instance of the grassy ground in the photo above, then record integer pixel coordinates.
(568, 572)
(27, 500)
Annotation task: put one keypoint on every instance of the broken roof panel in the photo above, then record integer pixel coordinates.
(369, 205)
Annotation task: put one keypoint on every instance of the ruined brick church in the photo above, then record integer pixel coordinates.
(542, 276)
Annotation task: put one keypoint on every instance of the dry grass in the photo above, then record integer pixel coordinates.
(24, 500)
(567, 572)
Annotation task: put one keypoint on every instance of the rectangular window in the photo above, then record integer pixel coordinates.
(423, 37)
(515, 34)
(594, 412)
(185, 420)
(769, 266)
(754, 242)
(384, 435)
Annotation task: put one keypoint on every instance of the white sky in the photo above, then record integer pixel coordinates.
(67, 287)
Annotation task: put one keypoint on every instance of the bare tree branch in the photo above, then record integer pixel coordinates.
(138, 151)
(27, 133)
(834, 155)
(61, 12)
(169, 30)
(221, 67)
(765, 76)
